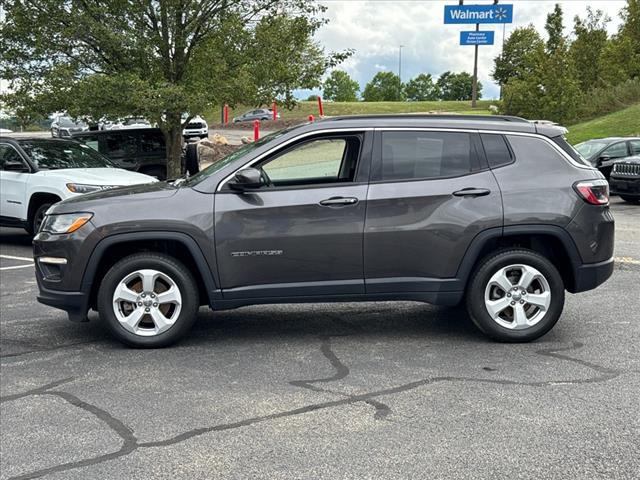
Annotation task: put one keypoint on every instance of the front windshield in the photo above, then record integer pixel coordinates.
(245, 149)
(55, 154)
(590, 148)
(66, 122)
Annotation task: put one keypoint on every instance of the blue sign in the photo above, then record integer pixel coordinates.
(478, 14)
(476, 38)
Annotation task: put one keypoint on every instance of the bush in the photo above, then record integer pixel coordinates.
(600, 101)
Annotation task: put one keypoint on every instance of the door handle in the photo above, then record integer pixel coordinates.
(338, 201)
(472, 192)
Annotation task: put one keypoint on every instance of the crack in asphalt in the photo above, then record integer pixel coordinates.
(131, 444)
(39, 350)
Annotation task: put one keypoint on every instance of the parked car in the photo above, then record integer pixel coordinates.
(503, 214)
(257, 114)
(625, 179)
(4, 131)
(62, 127)
(35, 173)
(603, 152)
(197, 127)
(140, 150)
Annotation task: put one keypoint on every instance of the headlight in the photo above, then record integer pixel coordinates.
(65, 223)
(82, 188)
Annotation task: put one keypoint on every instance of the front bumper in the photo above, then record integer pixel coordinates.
(629, 187)
(195, 133)
(76, 304)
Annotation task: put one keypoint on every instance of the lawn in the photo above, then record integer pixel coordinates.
(304, 109)
(622, 123)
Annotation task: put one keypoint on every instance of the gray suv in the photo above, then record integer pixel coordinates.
(497, 212)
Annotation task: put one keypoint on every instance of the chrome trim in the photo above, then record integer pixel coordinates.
(53, 260)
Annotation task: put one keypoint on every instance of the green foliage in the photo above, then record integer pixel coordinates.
(586, 49)
(159, 59)
(421, 88)
(621, 123)
(456, 86)
(312, 98)
(385, 86)
(340, 87)
(520, 56)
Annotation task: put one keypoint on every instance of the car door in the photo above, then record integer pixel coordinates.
(634, 147)
(609, 155)
(13, 183)
(302, 233)
(431, 193)
(122, 148)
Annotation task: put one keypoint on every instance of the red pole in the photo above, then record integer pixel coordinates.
(256, 130)
(226, 113)
(274, 107)
(320, 109)
(311, 118)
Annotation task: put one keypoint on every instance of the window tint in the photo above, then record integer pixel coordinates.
(535, 150)
(411, 155)
(153, 143)
(315, 160)
(8, 154)
(90, 141)
(615, 151)
(635, 147)
(496, 149)
(51, 154)
(120, 144)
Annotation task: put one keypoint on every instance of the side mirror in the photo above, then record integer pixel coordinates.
(15, 167)
(604, 158)
(247, 179)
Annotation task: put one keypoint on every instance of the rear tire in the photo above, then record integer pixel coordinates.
(628, 199)
(515, 295)
(148, 300)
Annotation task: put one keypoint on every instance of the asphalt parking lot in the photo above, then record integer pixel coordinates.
(387, 390)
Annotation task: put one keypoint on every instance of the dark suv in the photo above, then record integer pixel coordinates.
(496, 211)
(139, 149)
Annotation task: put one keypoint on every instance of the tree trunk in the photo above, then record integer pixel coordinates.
(173, 141)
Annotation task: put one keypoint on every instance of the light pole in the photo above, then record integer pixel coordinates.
(400, 62)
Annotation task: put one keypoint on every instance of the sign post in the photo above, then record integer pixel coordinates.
(469, 14)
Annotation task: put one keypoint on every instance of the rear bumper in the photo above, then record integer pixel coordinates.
(589, 276)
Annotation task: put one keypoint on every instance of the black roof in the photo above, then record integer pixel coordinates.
(117, 130)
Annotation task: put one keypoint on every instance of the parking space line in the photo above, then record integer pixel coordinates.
(17, 266)
(11, 257)
(628, 260)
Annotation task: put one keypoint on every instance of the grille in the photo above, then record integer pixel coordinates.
(194, 126)
(631, 169)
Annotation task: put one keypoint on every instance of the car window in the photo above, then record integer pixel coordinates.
(635, 147)
(423, 155)
(615, 151)
(319, 159)
(52, 154)
(120, 144)
(152, 143)
(496, 149)
(8, 154)
(90, 141)
(587, 149)
(534, 149)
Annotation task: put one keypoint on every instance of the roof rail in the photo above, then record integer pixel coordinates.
(433, 116)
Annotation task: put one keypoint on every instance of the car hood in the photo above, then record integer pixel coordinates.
(129, 195)
(98, 176)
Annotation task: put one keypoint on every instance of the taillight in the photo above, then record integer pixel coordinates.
(595, 192)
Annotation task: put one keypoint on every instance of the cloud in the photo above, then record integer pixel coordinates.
(375, 29)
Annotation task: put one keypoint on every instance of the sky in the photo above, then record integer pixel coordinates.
(376, 28)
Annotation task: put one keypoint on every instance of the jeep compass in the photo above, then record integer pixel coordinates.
(496, 212)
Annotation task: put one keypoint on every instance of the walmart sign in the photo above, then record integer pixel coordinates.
(478, 14)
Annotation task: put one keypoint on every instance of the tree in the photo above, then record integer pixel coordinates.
(456, 86)
(340, 87)
(160, 58)
(586, 49)
(384, 87)
(553, 26)
(521, 55)
(421, 88)
(621, 55)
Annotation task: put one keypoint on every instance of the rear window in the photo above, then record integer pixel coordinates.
(423, 155)
(567, 148)
(496, 149)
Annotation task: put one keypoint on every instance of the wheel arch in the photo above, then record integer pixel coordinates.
(551, 241)
(176, 244)
(38, 198)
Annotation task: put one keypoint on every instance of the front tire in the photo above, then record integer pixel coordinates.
(148, 300)
(36, 220)
(515, 295)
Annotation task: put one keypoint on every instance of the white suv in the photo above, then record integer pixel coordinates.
(35, 173)
(197, 127)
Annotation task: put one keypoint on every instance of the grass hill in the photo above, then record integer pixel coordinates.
(622, 123)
